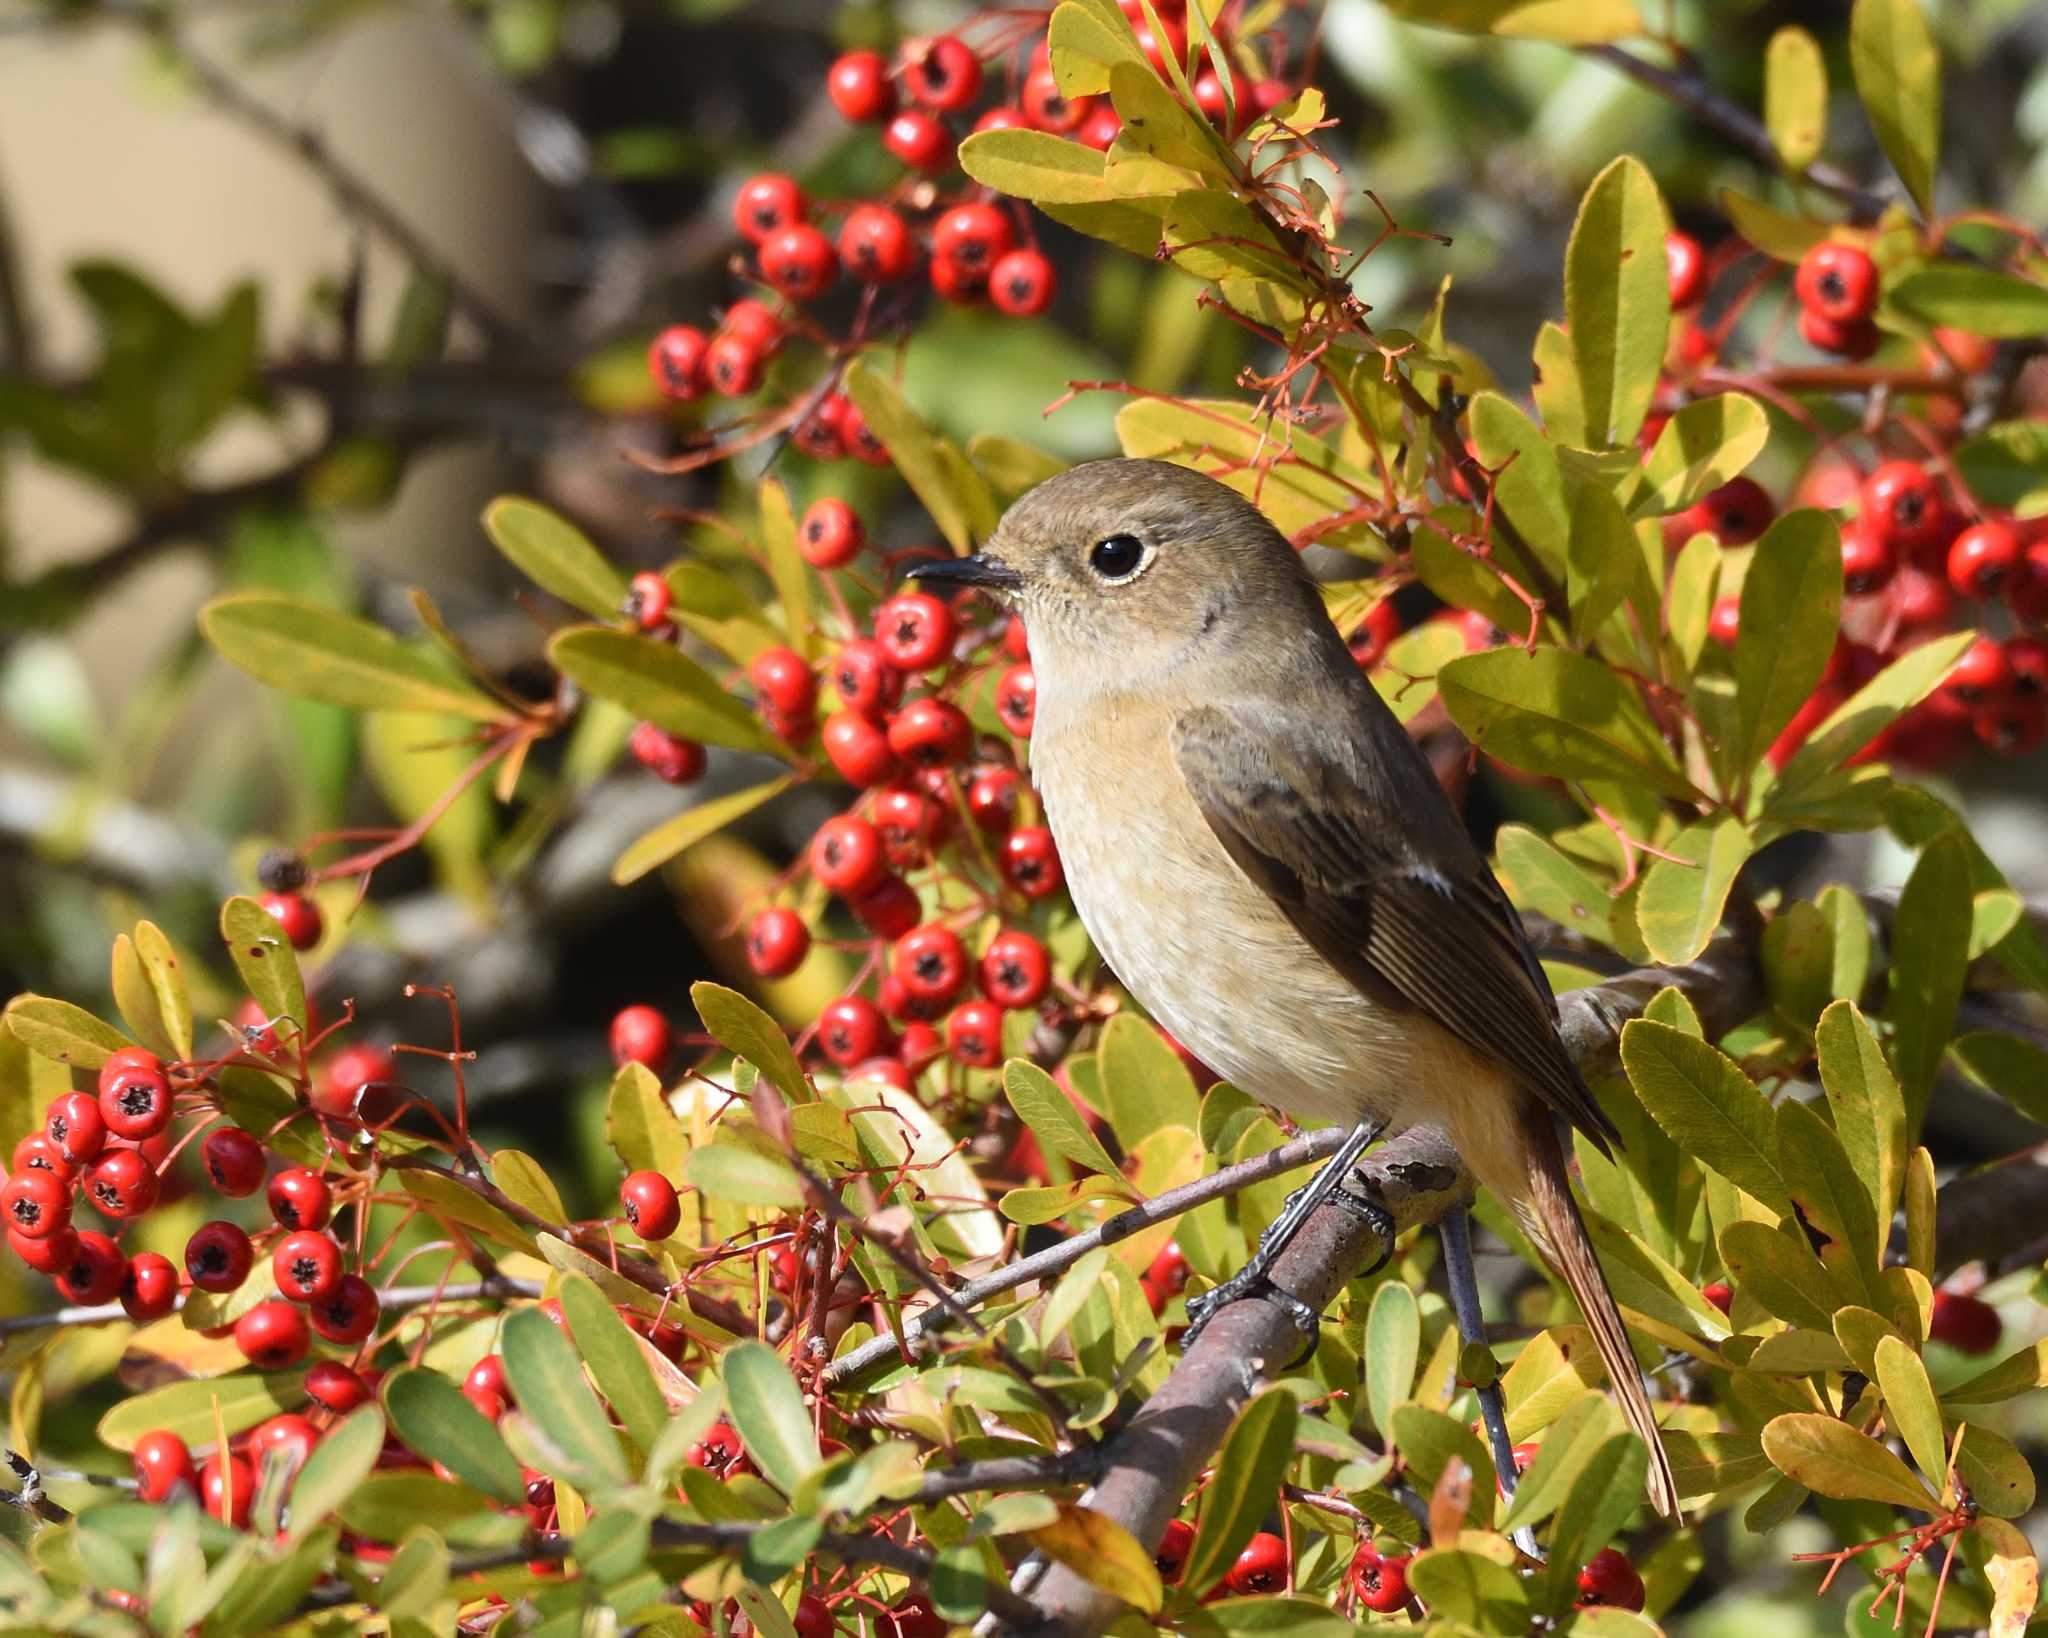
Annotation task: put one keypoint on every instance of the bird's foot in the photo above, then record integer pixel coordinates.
(1375, 1217)
(1249, 1281)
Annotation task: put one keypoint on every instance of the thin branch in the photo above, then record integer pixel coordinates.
(1690, 90)
(397, 1299)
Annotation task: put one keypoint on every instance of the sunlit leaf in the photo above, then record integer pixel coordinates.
(555, 555)
(1617, 297)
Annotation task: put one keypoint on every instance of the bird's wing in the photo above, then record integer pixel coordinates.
(1427, 929)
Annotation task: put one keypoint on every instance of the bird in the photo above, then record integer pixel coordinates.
(1263, 856)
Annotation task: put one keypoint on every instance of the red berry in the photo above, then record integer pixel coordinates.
(1050, 109)
(992, 798)
(488, 1374)
(1101, 128)
(942, 73)
(911, 1617)
(830, 535)
(846, 855)
(1375, 634)
(719, 1451)
(1609, 1578)
(1380, 1582)
(919, 140)
(974, 1034)
(783, 680)
(227, 1486)
(861, 442)
(287, 1438)
(777, 942)
(2011, 727)
(2026, 589)
(876, 246)
(1169, 1270)
(641, 1035)
(272, 1335)
(1899, 500)
(1720, 1294)
(348, 1313)
(1022, 284)
(1737, 512)
(306, 1265)
(135, 1102)
(1837, 281)
(218, 1257)
(1215, 106)
(915, 630)
(1724, 619)
(865, 679)
(1007, 117)
(162, 1463)
(1868, 563)
(1016, 971)
(766, 205)
(36, 1153)
(669, 757)
(732, 364)
(339, 1090)
(1261, 1567)
(652, 1209)
(1981, 676)
(1030, 863)
(929, 733)
(748, 321)
(121, 1184)
(648, 601)
(96, 1271)
(859, 749)
(298, 915)
(2026, 662)
(1982, 558)
(299, 1199)
(852, 1029)
(1172, 1556)
(800, 262)
(335, 1387)
(35, 1204)
(931, 963)
(75, 1129)
(1851, 341)
(860, 88)
(976, 235)
(889, 909)
(1685, 264)
(675, 362)
(1017, 699)
(1920, 600)
(811, 1618)
(52, 1254)
(818, 433)
(912, 824)
(233, 1160)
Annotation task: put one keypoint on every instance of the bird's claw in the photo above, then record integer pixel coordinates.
(1250, 1281)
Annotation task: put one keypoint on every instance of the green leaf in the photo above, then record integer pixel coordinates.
(525, 1182)
(1555, 389)
(1644, 1281)
(659, 684)
(1558, 713)
(1708, 442)
(1248, 1472)
(1036, 165)
(1898, 77)
(1539, 877)
(555, 555)
(2006, 466)
(744, 1030)
(1567, 1446)
(547, 1383)
(1834, 1459)
(429, 1413)
(1528, 483)
(315, 653)
(1429, 1440)
(2012, 1376)
(1617, 298)
(160, 965)
(58, 1030)
(1911, 1408)
(1776, 234)
(1795, 97)
(1710, 1109)
(188, 1409)
(344, 1457)
(1463, 1584)
(1858, 720)
(1797, 956)
(1997, 1476)
(728, 1171)
(2016, 1070)
(387, 1505)
(1686, 887)
(654, 848)
(1690, 587)
(787, 569)
(1145, 1085)
(1608, 1488)
(136, 998)
(416, 1578)
(265, 958)
(959, 502)
(1777, 1267)
(1052, 1117)
(1981, 300)
(1103, 1553)
(1031, 1206)
(615, 1358)
(1930, 948)
(1601, 559)
(1562, 22)
(767, 1408)
(1791, 609)
(641, 1127)
(1824, 1182)
(1393, 1344)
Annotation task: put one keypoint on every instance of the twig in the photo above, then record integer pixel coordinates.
(397, 1299)
(30, 1498)
(1690, 90)
(1077, 1466)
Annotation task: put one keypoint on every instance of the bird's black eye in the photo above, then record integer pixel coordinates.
(1118, 557)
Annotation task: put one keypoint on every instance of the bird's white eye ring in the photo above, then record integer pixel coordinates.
(1118, 558)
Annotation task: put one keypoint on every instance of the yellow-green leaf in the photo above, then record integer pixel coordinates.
(56, 1029)
(1898, 77)
(1795, 97)
(1617, 298)
(744, 1030)
(555, 555)
(265, 958)
(661, 685)
(1052, 1117)
(1912, 1409)
(1710, 1109)
(1834, 1459)
(1103, 1553)
(654, 848)
(1686, 887)
(1248, 1472)
(1791, 608)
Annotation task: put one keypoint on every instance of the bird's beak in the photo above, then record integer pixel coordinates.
(991, 574)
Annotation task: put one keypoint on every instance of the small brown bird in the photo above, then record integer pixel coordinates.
(1265, 859)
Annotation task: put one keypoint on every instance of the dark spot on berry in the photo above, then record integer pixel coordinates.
(213, 1260)
(305, 1273)
(27, 1213)
(136, 1099)
(107, 1196)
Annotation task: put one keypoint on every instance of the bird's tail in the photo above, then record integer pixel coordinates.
(1550, 1216)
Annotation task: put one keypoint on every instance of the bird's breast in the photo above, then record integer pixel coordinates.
(1198, 943)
